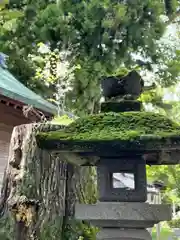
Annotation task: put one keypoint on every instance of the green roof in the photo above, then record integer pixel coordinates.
(10, 87)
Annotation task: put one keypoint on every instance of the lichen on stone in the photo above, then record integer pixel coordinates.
(124, 126)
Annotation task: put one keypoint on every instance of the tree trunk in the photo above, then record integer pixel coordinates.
(39, 189)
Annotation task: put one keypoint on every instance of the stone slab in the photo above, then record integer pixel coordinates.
(123, 214)
(123, 234)
(123, 224)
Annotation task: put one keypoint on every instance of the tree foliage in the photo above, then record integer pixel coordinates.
(169, 175)
(100, 36)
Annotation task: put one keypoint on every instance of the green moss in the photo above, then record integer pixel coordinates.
(127, 126)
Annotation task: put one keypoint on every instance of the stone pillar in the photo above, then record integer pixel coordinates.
(122, 214)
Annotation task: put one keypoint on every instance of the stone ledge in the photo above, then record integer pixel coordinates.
(123, 214)
(122, 234)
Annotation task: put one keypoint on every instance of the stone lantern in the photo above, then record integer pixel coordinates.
(121, 139)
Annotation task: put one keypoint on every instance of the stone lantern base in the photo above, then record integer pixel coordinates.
(124, 234)
(123, 220)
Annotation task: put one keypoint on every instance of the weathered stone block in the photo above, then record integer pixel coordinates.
(107, 192)
(123, 214)
(123, 234)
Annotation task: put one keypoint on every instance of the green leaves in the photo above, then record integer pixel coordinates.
(3, 4)
(171, 6)
(100, 35)
(170, 177)
(8, 20)
(63, 120)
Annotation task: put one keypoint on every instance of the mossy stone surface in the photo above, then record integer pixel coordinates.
(125, 126)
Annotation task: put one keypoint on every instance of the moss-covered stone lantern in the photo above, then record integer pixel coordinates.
(121, 139)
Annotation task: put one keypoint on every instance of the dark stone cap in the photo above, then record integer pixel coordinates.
(119, 86)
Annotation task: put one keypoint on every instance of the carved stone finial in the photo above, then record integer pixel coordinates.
(122, 87)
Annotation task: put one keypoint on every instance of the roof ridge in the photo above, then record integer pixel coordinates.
(14, 89)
